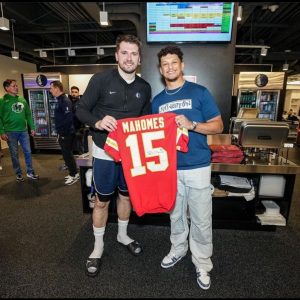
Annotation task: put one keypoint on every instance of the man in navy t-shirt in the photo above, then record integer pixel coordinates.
(196, 111)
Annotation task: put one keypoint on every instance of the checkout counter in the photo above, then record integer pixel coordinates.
(273, 177)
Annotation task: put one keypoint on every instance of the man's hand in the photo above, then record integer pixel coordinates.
(183, 122)
(108, 123)
(32, 132)
(4, 137)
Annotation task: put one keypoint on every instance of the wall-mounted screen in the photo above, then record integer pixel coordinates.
(180, 22)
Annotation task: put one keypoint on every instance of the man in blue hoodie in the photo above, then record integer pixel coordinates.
(65, 129)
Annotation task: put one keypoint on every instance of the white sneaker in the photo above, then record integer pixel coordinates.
(19, 178)
(32, 176)
(67, 177)
(203, 279)
(72, 179)
(170, 260)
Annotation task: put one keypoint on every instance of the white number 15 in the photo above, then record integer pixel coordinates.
(147, 138)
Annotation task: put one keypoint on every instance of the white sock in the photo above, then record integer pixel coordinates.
(99, 244)
(122, 236)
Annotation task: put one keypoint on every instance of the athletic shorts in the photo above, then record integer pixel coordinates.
(107, 176)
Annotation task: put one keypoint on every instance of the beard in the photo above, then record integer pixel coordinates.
(130, 71)
(172, 79)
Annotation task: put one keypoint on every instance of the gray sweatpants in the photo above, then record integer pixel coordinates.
(193, 198)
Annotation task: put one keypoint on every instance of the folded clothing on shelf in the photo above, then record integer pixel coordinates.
(226, 154)
(234, 184)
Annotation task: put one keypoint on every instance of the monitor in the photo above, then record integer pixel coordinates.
(183, 22)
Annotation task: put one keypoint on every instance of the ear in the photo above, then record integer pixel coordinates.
(116, 56)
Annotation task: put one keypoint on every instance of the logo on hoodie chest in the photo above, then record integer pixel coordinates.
(17, 107)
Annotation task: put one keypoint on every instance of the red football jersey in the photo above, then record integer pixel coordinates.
(147, 146)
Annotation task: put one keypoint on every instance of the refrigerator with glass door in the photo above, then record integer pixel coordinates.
(267, 102)
(42, 104)
(261, 91)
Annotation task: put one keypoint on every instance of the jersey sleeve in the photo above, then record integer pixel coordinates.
(111, 146)
(182, 139)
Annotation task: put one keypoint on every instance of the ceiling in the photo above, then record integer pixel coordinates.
(274, 24)
(63, 24)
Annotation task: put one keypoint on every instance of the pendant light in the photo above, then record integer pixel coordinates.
(103, 17)
(4, 23)
(240, 13)
(14, 53)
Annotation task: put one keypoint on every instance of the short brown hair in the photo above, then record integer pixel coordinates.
(58, 84)
(129, 38)
(171, 49)
(7, 83)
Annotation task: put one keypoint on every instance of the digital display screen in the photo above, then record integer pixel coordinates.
(179, 22)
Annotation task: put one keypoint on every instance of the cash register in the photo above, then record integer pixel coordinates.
(262, 140)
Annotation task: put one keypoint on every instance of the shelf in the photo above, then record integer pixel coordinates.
(233, 212)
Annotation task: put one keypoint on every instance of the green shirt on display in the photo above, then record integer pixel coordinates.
(15, 114)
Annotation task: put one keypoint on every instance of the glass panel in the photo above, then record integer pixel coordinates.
(247, 99)
(51, 108)
(39, 112)
(268, 102)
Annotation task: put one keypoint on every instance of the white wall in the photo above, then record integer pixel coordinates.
(79, 80)
(12, 69)
(292, 100)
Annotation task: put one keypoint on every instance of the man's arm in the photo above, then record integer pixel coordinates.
(87, 103)
(212, 126)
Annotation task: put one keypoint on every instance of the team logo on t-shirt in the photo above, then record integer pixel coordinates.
(17, 107)
(175, 105)
(138, 95)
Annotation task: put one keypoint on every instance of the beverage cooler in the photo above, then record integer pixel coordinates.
(266, 101)
(262, 91)
(42, 104)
